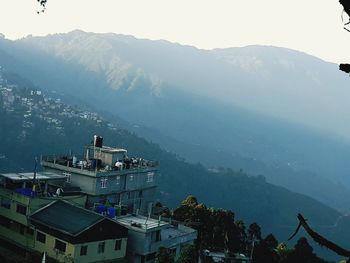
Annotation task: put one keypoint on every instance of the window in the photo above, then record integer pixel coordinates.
(41, 237)
(118, 244)
(101, 247)
(158, 236)
(5, 202)
(59, 245)
(4, 221)
(83, 250)
(103, 183)
(21, 229)
(150, 177)
(118, 179)
(21, 209)
(68, 175)
(30, 231)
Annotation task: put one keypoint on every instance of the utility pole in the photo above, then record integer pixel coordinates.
(252, 250)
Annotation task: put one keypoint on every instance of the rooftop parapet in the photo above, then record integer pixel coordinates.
(24, 186)
(141, 223)
(93, 166)
(98, 160)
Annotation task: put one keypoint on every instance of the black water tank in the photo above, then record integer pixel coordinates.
(98, 141)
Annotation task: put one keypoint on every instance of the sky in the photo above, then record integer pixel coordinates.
(206, 24)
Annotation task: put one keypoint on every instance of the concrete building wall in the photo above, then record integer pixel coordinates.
(141, 180)
(73, 251)
(51, 251)
(11, 213)
(92, 251)
(23, 240)
(107, 182)
(85, 182)
(138, 242)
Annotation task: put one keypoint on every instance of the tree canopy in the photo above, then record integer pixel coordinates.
(219, 231)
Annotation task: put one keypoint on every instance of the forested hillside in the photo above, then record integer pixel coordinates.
(211, 107)
(35, 122)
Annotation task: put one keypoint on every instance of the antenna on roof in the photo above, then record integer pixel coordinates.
(34, 177)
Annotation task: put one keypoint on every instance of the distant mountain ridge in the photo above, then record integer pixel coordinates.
(218, 105)
(270, 80)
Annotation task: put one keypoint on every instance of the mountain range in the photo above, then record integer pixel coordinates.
(269, 111)
(218, 115)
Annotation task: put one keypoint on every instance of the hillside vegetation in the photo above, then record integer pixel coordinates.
(269, 111)
(35, 122)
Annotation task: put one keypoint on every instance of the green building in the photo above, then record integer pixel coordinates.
(40, 221)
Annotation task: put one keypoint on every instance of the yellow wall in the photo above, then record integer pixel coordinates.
(93, 256)
(73, 251)
(49, 248)
(15, 199)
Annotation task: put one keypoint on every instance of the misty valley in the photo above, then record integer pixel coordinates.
(246, 139)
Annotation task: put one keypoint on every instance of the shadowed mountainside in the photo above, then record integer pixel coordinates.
(56, 127)
(223, 108)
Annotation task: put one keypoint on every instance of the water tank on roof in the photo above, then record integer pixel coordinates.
(100, 208)
(111, 212)
(98, 141)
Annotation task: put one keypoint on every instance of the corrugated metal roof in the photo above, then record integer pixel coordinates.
(65, 217)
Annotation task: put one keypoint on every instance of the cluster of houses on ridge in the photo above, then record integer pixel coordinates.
(32, 103)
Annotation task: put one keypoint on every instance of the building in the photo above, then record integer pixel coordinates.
(41, 221)
(70, 233)
(147, 235)
(108, 175)
(18, 201)
(222, 257)
(89, 209)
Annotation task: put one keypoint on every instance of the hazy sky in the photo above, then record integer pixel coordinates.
(297, 24)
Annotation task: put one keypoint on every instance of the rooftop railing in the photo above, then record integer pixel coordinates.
(94, 165)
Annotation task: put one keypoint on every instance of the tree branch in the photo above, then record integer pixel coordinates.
(322, 241)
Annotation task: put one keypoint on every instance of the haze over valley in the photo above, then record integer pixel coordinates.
(267, 110)
(262, 130)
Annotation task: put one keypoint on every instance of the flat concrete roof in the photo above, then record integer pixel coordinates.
(138, 223)
(23, 177)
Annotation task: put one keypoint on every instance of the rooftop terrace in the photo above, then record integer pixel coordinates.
(140, 223)
(93, 166)
(28, 177)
